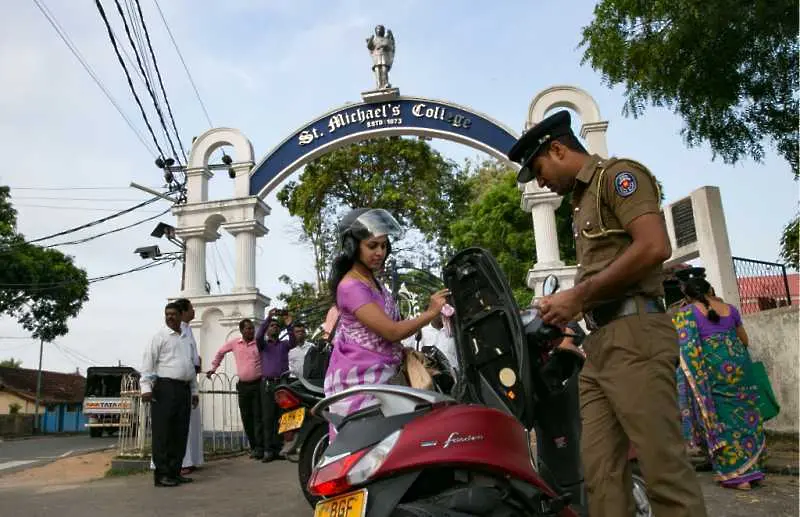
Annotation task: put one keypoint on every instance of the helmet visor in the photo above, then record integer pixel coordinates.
(375, 223)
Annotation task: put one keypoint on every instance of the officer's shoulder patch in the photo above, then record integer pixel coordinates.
(625, 183)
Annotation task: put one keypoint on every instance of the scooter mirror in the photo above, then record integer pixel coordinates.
(550, 285)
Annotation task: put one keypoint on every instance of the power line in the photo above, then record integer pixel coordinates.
(147, 83)
(75, 52)
(127, 75)
(160, 82)
(50, 198)
(69, 188)
(178, 50)
(83, 208)
(96, 221)
(55, 285)
(90, 238)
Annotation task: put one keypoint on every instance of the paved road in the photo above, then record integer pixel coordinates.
(20, 454)
(240, 487)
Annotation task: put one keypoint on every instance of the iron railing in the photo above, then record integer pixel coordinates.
(223, 431)
(762, 285)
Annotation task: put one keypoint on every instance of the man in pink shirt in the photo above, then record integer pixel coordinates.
(248, 368)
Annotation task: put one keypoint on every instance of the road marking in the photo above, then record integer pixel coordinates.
(17, 463)
(66, 454)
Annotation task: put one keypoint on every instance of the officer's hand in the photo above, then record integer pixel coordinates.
(560, 308)
(147, 397)
(195, 401)
(209, 374)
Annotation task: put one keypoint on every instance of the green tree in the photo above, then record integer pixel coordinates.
(728, 68)
(305, 302)
(494, 221)
(406, 176)
(11, 363)
(790, 246)
(39, 287)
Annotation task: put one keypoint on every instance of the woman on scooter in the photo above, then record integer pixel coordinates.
(366, 343)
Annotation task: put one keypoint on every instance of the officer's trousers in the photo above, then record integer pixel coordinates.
(628, 392)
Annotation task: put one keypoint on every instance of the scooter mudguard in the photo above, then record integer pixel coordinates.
(495, 365)
(299, 441)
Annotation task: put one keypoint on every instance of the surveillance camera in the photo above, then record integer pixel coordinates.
(147, 252)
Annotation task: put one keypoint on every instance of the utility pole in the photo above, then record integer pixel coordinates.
(36, 426)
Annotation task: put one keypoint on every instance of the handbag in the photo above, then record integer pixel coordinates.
(767, 403)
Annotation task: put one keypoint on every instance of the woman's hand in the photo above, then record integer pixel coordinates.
(438, 300)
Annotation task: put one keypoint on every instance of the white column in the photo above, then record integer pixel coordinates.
(245, 233)
(195, 280)
(542, 205)
(245, 261)
(544, 231)
(713, 244)
(197, 184)
(594, 133)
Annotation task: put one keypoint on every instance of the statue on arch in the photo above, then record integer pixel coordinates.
(381, 48)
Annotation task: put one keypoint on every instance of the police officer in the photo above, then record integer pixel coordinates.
(627, 386)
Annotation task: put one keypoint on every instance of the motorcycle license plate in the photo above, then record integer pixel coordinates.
(353, 504)
(291, 420)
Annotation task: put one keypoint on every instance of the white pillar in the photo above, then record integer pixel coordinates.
(594, 133)
(197, 184)
(542, 205)
(195, 281)
(713, 244)
(543, 213)
(245, 233)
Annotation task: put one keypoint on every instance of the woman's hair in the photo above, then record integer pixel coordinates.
(697, 289)
(341, 265)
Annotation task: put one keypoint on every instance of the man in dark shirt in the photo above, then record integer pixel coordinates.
(274, 362)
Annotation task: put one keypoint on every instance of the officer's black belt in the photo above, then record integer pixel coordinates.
(606, 313)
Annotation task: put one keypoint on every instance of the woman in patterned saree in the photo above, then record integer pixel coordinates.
(366, 343)
(718, 403)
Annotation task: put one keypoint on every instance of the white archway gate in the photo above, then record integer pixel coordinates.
(542, 203)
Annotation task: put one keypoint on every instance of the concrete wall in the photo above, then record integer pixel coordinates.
(775, 340)
(16, 425)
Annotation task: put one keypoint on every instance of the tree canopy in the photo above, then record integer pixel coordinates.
(39, 287)
(406, 176)
(728, 68)
(494, 221)
(11, 363)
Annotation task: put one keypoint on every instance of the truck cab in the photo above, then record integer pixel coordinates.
(103, 403)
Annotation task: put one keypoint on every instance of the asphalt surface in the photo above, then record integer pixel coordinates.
(241, 487)
(17, 455)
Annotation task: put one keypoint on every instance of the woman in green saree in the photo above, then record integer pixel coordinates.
(719, 410)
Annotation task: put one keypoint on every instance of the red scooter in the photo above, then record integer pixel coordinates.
(424, 453)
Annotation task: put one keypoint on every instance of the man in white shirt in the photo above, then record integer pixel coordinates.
(169, 383)
(194, 444)
(297, 355)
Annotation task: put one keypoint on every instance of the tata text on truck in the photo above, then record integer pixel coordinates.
(103, 404)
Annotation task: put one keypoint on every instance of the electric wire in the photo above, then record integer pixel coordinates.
(31, 287)
(141, 67)
(160, 81)
(115, 230)
(77, 54)
(127, 75)
(96, 221)
(185, 67)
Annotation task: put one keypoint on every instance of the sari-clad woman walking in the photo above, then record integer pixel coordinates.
(718, 400)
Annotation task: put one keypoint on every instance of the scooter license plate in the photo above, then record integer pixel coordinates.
(353, 504)
(291, 420)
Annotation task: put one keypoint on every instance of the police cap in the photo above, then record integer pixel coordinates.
(535, 140)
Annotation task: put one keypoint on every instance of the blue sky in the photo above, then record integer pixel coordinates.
(268, 67)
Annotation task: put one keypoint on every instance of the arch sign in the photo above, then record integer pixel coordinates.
(395, 116)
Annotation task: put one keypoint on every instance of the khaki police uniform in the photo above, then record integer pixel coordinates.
(627, 387)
